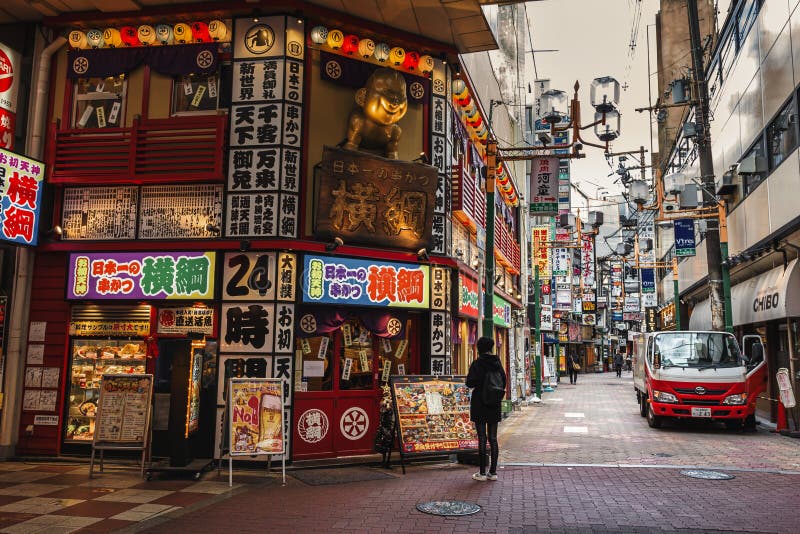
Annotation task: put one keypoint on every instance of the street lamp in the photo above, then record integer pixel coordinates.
(553, 106)
(604, 94)
(674, 183)
(638, 191)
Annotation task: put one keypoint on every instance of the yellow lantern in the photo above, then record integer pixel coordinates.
(77, 39)
(146, 34)
(112, 38)
(218, 30)
(396, 56)
(366, 47)
(426, 64)
(335, 39)
(182, 33)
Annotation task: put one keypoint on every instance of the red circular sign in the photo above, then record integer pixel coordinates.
(6, 73)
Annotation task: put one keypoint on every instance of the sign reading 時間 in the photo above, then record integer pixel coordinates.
(141, 275)
(22, 181)
(350, 281)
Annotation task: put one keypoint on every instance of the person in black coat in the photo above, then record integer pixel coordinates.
(572, 360)
(618, 360)
(485, 417)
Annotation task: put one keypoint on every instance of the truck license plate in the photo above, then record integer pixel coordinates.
(701, 412)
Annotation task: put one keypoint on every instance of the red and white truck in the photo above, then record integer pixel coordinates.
(699, 375)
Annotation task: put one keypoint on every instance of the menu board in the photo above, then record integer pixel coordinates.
(180, 211)
(255, 411)
(123, 410)
(99, 213)
(433, 413)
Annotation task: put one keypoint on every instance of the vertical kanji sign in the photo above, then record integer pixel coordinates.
(22, 181)
(544, 186)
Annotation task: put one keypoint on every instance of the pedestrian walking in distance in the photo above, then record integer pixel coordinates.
(487, 379)
(618, 363)
(573, 366)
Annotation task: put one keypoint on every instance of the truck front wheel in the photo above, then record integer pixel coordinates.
(642, 404)
(653, 420)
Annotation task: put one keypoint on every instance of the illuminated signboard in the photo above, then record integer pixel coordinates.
(328, 280)
(502, 312)
(20, 199)
(141, 275)
(467, 296)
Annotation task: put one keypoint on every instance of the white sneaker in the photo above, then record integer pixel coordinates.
(491, 477)
(479, 477)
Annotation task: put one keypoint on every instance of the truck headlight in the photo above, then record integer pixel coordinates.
(663, 396)
(736, 400)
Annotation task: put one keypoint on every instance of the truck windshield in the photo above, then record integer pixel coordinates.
(704, 350)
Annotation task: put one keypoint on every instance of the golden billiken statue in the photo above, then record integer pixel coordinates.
(382, 102)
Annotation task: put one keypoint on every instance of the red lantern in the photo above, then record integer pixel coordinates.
(129, 36)
(200, 32)
(350, 45)
(411, 61)
(463, 102)
(475, 122)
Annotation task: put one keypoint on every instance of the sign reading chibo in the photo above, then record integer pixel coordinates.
(373, 200)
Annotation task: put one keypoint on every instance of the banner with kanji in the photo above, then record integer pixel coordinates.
(22, 181)
(544, 186)
(587, 260)
(541, 249)
(141, 275)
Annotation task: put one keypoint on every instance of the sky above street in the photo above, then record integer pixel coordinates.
(593, 38)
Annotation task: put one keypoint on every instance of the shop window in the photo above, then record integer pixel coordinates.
(99, 102)
(782, 134)
(195, 93)
(317, 363)
(394, 353)
(746, 18)
(356, 360)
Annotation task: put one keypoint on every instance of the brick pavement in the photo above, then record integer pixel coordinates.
(637, 490)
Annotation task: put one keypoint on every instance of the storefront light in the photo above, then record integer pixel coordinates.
(335, 39)
(164, 34)
(426, 64)
(94, 38)
(396, 56)
(366, 47)
(112, 38)
(319, 35)
(182, 33)
(459, 86)
(411, 62)
(200, 32)
(146, 34)
(382, 52)
(129, 36)
(218, 30)
(350, 45)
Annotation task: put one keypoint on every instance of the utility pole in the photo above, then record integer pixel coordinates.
(703, 143)
(488, 302)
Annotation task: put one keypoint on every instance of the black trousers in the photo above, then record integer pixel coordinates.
(618, 368)
(487, 430)
(573, 375)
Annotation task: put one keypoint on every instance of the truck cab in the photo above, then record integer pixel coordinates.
(696, 374)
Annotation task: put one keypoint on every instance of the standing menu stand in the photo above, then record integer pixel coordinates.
(123, 416)
(432, 415)
(255, 421)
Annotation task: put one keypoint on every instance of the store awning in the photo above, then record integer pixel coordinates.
(769, 296)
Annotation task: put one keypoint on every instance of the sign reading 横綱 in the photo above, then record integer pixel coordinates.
(373, 200)
(684, 237)
(467, 296)
(544, 186)
(266, 121)
(141, 275)
(22, 182)
(329, 280)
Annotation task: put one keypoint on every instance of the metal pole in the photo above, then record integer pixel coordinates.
(792, 358)
(676, 294)
(537, 325)
(488, 303)
(703, 143)
(726, 274)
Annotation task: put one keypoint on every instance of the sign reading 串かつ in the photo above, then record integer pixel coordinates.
(22, 181)
(351, 281)
(467, 296)
(141, 275)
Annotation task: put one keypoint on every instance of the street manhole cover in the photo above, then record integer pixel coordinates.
(448, 508)
(707, 475)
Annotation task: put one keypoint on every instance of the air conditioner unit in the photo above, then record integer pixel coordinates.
(680, 91)
(752, 165)
(729, 182)
(689, 129)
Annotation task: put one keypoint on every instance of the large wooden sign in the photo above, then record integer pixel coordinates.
(368, 199)
(432, 413)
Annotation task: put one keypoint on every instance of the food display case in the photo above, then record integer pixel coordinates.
(91, 359)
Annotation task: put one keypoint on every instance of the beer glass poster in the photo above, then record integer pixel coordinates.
(256, 416)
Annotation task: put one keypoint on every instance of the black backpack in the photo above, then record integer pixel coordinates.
(493, 389)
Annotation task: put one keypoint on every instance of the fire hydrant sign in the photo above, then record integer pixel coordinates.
(256, 416)
(141, 275)
(22, 181)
